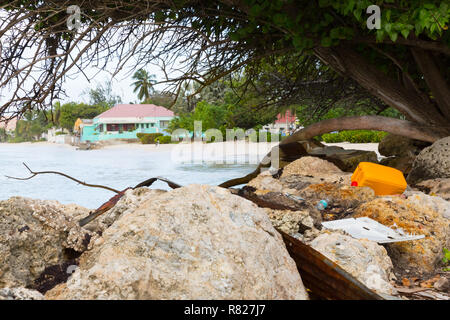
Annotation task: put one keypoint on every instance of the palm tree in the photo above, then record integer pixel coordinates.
(144, 83)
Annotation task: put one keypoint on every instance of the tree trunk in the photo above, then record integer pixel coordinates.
(349, 63)
(434, 80)
(395, 126)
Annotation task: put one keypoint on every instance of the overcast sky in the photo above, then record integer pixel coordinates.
(121, 84)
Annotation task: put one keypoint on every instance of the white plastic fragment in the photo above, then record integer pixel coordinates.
(366, 228)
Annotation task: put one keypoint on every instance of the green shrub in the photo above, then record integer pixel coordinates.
(354, 136)
(58, 133)
(164, 139)
(148, 138)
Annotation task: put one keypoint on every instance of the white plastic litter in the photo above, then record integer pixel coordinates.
(366, 228)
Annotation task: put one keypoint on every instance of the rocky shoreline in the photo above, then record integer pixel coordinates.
(206, 242)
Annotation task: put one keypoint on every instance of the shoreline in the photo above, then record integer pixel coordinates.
(226, 148)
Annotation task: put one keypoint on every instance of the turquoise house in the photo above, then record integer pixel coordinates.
(125, 121)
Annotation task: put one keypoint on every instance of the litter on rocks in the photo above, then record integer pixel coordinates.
(366, 228)
(382, 179)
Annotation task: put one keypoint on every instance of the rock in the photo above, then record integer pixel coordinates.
(291, 222)
(310, 166)
(394, 145)
(437, 204)
(432, 162)
(339, 195)
(422, 255)
(36, 234)
(344, 159)
(20, 294)
(311, 144)
(131, 200)
(438, 187)
(443, 284)
(365, 260)
(264, 182)
(351, 160)
(194, 242)
(404, 164)
(299, 182)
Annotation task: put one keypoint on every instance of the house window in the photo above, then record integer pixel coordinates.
(164, 124)
(128, 127)
(152, 125)
(146, 125)
(112, 127)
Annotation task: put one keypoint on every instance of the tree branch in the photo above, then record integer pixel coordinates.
(33, 174)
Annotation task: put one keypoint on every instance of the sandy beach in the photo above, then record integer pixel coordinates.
(251, 147)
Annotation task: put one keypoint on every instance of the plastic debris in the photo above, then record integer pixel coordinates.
(293, 197)
(366, 228)
(322, 204)
(382, 179)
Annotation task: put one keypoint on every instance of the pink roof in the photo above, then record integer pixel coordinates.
(282, 118)
(136, 111)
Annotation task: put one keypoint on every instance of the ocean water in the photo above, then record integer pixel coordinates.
(114, 167)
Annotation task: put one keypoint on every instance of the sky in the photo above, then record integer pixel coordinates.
(121, 85)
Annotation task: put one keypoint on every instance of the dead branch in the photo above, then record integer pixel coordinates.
(34, 174)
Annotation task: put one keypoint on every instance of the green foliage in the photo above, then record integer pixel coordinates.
(70, 112)
(103, 96)
(3, 135)
(30, 127)
(160, 99)
(324, 20)
(336, 111)
(148, 138)
(164, 139)
(143, 84)
(354, 136)
(446, 258)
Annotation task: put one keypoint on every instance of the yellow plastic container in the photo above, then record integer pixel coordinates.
(383, 180)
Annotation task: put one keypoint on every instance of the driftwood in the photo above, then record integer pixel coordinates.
(107, 205)
(323, 277)
(112, 202)
(34, 174)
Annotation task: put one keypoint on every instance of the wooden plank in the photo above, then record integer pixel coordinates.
(324, 277)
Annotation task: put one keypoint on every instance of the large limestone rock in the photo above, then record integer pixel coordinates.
(195, 242)
(436, 203)
(36, 234)
(414, 217)
(265, 182)
(432, 162)
(394, 145)
(129, 202)
(310, 166)
(365, 260)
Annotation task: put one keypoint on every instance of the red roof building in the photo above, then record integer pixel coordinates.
(287, 117)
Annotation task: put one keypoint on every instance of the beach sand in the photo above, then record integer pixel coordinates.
(228, 147)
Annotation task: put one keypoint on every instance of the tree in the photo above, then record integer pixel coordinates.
(70, 112)
(402, 64)
(103, 95)
(143, 84)
(161, 99)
